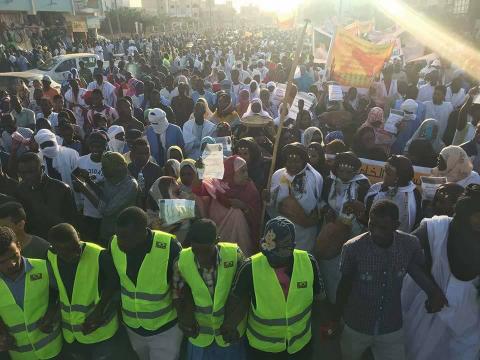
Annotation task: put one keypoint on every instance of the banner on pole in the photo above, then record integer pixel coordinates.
(356, 62)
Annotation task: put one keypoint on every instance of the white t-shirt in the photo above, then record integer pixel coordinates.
(95, 171)
(131, 50)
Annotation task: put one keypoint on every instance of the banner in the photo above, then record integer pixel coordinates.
(358, 28)
(374, 170)
(286, 23)
(355, 62)
(321, 42)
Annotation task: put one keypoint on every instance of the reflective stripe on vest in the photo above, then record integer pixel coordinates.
(84, 298)
(284, 324)
(209, 313)
(147, 304)
(22, 323)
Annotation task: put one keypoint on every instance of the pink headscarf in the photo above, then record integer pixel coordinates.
(375, 118)
(376, 121)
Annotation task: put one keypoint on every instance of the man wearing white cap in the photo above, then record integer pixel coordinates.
(59, 161)
(161, 135)
(411, 122)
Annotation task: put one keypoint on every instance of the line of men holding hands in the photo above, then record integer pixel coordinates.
(165, 292)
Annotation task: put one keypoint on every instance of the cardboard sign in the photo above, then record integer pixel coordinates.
(212, 158)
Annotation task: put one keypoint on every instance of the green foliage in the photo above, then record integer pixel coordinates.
(127, 18)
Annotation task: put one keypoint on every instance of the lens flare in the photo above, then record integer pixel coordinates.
(447, 45)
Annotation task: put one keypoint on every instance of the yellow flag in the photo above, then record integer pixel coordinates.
(356, 62)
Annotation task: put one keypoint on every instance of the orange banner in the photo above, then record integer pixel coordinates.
(359, 28)
(356, 62)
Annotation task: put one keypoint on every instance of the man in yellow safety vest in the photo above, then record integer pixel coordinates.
(282, 292)
(28, 304)
(144, 259)
(202, 280)
(86, 278)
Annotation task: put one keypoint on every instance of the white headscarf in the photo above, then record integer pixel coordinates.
(159, 123)
(436, 142)
(250, 111)
(43, 136)
(113, 143)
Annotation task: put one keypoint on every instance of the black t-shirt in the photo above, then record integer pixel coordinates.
(243, 285)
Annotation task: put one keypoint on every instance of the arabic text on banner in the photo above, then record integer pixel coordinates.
(356, 62)
(374, 170)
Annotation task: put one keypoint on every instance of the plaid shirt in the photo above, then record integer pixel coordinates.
(209, 276)
(374, 305)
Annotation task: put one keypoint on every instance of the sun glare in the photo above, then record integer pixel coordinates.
(280, 7)
(442, 42)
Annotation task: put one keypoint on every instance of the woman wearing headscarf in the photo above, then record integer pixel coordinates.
(428, 130)
(175, 152)
(456, 166)
(235, 204)
(376, 121)
(255, 108)
(172, 168)
(225, 111)
(343, 209)
(208, 112)
(316, 158)
(333, 135)
(295, 193)
(312, 134)
(111, 196)
(254, 90)
(243, 102)
(397, 186)
(258, 166)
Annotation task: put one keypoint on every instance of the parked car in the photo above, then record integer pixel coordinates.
(59, 66)
(9, 80)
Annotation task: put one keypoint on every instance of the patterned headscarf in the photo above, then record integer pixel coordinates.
(375, 116)
(279, 236)
(334, 135)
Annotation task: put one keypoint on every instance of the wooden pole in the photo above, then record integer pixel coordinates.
(284, 111)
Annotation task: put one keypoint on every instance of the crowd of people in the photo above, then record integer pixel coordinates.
(89, 269)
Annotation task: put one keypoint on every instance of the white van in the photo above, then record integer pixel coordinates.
(59, 66)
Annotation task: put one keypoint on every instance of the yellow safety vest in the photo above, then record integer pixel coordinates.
(31, 342)
(276, 324)
(209, 313)
(85, 298)
(148, 304)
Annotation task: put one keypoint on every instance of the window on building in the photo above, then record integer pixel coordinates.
(461, 6)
